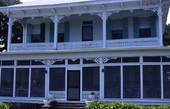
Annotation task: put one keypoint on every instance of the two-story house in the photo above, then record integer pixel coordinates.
(71, 48)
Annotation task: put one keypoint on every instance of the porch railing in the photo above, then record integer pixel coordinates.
(120, 43)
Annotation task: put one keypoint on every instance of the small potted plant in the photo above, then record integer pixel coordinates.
(47, 102)
(92, 96)
(88, 101)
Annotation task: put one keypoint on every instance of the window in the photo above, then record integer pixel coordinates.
(22, 81)
(144, 33)
(166, 80)
(7, 77)
(112, 82)
(130, 59)
(87, 31)
(90, 78)
(131, 81)
(117, 29)
(151, 81)
(23, 62)
(152, 59)
(37, 82)
(7, 63)
(117, 34)
(36, 63)
(145, 28)
(60, 37)
(57, 79)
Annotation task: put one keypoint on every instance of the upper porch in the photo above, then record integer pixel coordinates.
(90, 26)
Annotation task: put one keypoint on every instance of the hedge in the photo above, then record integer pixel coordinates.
(118, 105)
(4, 106)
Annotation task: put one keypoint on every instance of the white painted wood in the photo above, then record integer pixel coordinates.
(101, 97)
(162, 83)
(121, 82)
(29, 87)
(104, 19)
(55, 20)
(141, 78)
(160, 25)
(10, 23)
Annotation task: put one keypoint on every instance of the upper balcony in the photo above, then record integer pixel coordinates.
(124, 29)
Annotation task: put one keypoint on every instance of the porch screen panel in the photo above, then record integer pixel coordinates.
(112, 82)
(22, 81)
(66, 31)
(6, 85)
(166, 80)
(37, 82)
(91, 79)
(42, 32)
(109, 29)
(57, 79)
(151, 81)
(131, 81)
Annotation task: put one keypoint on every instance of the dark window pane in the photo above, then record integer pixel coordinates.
(151, 59)
(166, 74)
(131, 59)
(165, 59)
(116, 60)
(37, 82)
(36, 63)
(131, 81)
(112, 82)
(60, 37)
(117, 34)
(7, 77)
(0, 63)
(90, 78)
(151, 81)
(77, 61)
(23, 62)
(58, 62)
(57, 79)
(22, 81)
(144, 33)
(88, 61)
(7, 63)
(87, 31)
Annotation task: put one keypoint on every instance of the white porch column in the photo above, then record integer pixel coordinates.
(160, 25)
(101, 79)
(10, 23)
(55, 20)
(104, 19)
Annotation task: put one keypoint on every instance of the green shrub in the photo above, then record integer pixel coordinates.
(118, 105)
(4, 105)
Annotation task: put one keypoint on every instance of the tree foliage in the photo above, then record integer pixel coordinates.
(4, 25)
(166, 36)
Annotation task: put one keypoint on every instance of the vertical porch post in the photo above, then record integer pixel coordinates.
(55, 20)
(10, 23)
(160, 25)
(104, 19)
(101, 79)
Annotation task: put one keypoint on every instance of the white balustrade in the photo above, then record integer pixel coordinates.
(58, 94)
(85, 94)
(119, 43)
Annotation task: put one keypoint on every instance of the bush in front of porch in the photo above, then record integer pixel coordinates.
(4, 105)
(118, 105)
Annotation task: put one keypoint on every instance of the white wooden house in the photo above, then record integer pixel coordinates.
(71, 48)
